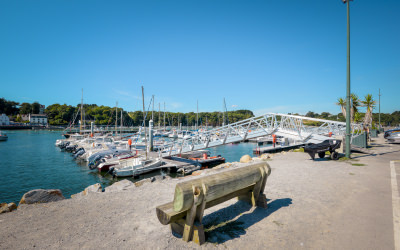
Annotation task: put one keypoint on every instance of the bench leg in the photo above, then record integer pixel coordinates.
(198, 234)
(198, 230)
(188, 230)
(193, 229)
(262, 201)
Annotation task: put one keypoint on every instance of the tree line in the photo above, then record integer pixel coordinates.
(58, 114)
(103, 115)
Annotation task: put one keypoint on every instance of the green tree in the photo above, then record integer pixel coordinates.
(25, 108)
(369, 103)
(35, 108)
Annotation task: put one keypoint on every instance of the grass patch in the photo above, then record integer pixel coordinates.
(358, 164)
(277, 223)
(351, 173)
(299, 150)
(344, 158)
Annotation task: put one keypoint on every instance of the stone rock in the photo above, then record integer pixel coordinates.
(4, 208)
(161, 177)
(265, 156)
(119, 186)
(12, 206)
(42, 196)
(141, 182)
(95, 188)
(245, 159)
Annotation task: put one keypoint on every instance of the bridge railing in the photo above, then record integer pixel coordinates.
(281, 124)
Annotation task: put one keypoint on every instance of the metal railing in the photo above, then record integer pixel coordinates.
(300, 128)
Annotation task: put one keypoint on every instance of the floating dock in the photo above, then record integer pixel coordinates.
(276, 149)
(175, 163)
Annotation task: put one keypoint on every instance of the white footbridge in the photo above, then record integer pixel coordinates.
(299, 128)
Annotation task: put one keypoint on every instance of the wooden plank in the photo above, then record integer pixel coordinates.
(219, 184)
(166, 213)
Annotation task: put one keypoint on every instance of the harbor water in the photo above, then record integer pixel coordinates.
(30, 160)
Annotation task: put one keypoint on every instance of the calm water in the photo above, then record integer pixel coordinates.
(29, 160)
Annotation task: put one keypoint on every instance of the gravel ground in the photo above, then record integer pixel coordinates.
(319, 204)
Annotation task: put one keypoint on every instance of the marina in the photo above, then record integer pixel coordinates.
(199, 125)
(29, 160)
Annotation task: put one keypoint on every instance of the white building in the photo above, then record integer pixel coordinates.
(4, 120)
(38, 119)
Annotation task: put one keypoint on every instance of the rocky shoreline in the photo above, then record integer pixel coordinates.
(52, 195)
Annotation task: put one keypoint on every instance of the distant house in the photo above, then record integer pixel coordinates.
(38, 119)
(4, 120)
(24, 118)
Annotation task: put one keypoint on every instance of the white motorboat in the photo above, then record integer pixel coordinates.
(140, 166)
(3, 136)
(116, 161)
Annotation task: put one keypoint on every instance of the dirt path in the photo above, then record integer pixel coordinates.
(319, 204)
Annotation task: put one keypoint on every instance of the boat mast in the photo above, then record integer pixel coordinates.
(159, 115)
(116, 118)
(120, 126)
(223, 113)
(164, 116)
(197, 116)
(80, 127)
(152, 112)
(144, 123)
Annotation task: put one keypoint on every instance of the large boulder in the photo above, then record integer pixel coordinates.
(95, 188)
(12, 206)
(42, 196)
(245, 159)
(119, 186)
(4, 208)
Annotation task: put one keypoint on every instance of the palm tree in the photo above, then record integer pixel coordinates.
(369, 103)
(357, 117)
(342, 103)
(355, 103)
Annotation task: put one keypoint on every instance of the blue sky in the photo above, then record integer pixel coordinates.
(266, 56)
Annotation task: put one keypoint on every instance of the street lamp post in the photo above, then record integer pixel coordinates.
(379, 108)
(348, 122)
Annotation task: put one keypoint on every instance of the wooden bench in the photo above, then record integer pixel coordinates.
(192, 197)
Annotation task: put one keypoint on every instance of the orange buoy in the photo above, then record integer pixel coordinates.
(129, 142)
(330, 134)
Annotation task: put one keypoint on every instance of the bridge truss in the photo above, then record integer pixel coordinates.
(299, 128)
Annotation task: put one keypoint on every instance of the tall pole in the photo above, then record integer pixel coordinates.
(159, 115)
(116, 118)
(348, 93)
(152, 112)
(80, 127)
(120, 126)
(164, 116)
(144, 122)
(223, 113)
(197, 115)
(379, 108)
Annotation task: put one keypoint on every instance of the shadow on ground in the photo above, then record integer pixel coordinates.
(233, 221)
